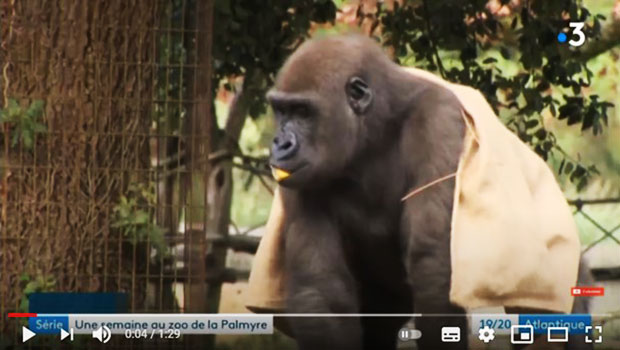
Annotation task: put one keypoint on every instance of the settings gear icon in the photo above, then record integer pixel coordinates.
(486, 334)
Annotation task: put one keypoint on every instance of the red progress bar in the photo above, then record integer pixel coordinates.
(22, 314)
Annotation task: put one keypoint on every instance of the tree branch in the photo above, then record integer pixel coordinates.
(610, 38)
(236, 118)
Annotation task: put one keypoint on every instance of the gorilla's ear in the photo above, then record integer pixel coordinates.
(359, 95)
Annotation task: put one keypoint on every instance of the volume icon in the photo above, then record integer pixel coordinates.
(103, 334)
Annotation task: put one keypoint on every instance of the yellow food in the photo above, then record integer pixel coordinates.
(279, 174)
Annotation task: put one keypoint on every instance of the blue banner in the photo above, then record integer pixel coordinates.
(48, 324)
(78, 303)
(576, 324)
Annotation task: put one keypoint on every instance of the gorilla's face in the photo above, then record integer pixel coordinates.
(333, 107)
(319, 133)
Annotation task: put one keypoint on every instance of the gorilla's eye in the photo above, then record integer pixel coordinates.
(359, 95)
(300, 110)
(357, 88)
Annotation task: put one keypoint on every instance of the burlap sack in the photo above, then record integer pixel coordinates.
(266, 286)
(513, 239)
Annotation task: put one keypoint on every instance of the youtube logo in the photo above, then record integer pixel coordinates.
(583, 291)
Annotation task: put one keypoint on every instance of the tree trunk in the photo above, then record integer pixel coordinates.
(198, 136)
(92, 63)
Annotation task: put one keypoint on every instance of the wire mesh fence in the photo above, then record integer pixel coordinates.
(602, 251)
(606, 233)
(105, 125)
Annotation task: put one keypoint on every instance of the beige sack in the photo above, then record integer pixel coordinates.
(513, 239)
(266, 287)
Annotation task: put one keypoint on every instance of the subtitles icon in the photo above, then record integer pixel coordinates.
(103, 334)
(522, 334)
(450, 334)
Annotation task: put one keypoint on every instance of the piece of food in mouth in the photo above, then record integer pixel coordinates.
(279, 174)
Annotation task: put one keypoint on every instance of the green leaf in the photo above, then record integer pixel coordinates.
(583, 182)
(13, 104)
(15, 139)
(27, 139)
(141, 217)
(39, 128)
(579, 171)
(541, 134)
(532, 123)
(31, 287)
(36, 109)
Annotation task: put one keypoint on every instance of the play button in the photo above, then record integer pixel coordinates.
(27, 334)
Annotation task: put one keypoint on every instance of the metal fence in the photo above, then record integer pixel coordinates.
(106, 122)
(605, 234)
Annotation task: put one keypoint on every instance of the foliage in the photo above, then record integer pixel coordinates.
(251, 194)
(131, 216)
(514, 60)
(34, 285)
(172, 59)
(464, 40)
(252, 38)
(25, 121)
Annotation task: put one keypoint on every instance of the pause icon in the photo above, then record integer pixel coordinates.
(409, 334)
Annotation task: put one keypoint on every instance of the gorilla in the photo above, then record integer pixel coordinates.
(354, 135)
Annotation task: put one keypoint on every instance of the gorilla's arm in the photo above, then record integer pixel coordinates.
(319, 279)
(425, 226)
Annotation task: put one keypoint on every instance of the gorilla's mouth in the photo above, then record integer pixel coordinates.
(281, 174)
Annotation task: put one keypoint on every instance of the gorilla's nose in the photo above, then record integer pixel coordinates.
(284, 146)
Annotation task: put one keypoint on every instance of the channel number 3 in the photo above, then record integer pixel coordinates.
(577, 31)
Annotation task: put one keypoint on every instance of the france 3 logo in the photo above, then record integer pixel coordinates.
(578, 36)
